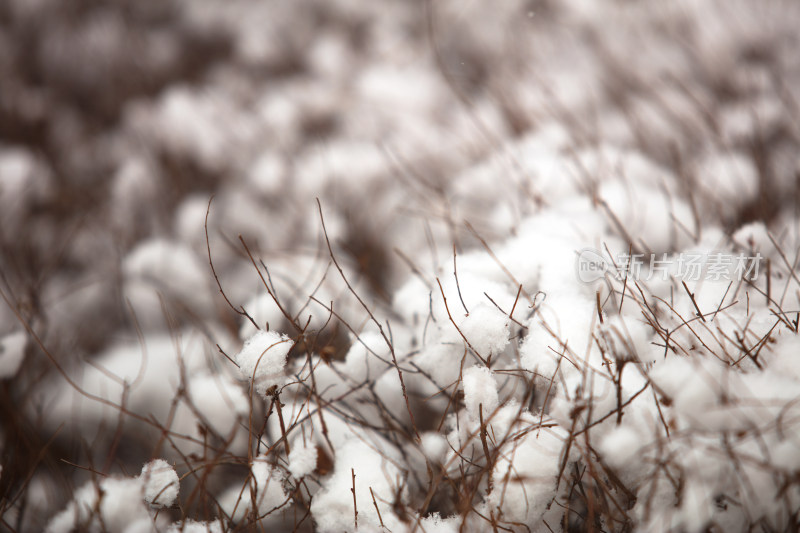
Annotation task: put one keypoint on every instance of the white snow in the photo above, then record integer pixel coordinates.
(434, 446)
(268, 486)
(729, 180)
(265, 484)
(161, 483)
(487, 329)
(12, 353)
(374, 468)
(302, 458)
(434, 523)
(524, 477)
(456, 363)
(145, 378)
(192, 526)
(621, 445)
(159, 269)
(480, 392)
(263, 358)
(121, 504)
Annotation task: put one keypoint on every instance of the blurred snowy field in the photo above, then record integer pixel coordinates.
(409, 266)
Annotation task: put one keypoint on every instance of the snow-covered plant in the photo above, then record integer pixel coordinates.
(399, 266)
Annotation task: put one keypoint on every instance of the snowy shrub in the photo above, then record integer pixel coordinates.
(116, 504)
(412, 267)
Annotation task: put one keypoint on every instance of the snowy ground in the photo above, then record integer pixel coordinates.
(413, 266)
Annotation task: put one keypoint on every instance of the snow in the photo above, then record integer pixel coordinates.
(621, 445)
(480, 392)
(145, 378)
(651, 210)
(159, 268)
(487, 329)
(192, 526)
(362, 355)
(753, 237)
(374, 469)
(12, 353)
(263, 492)
(524, 477)
(23, 179)
(268, 486)
(434, 446)
(434, 523)
(563, 323)
(188, 123)
(267, 174)
(135, 186)
(697, 506)
(161, 483)
(730, 180)
(263, 358)
(119, 501)
(459, 349)
(222, 403)
(302, 458)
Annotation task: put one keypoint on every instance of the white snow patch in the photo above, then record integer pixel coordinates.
(480, 392)
(12, 352)
(161, 483)
(302, 458)
(487, 329)
(620, 446)
(263, 358)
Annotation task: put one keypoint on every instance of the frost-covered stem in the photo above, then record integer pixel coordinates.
(485, 444)
(599, 306)
(375, 503)
(323, 425)
(694, 302)
(625, 279)
(458, 286)
(516, 300)
(355, 504)
(276, 400)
